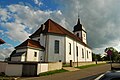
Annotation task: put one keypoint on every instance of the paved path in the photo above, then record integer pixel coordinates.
(75, 75)
(71, 68)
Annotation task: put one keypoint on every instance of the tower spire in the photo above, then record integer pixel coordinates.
(78, 19)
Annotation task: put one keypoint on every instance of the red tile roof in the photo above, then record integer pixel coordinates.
(1, 41)
(53, 27)
(30, 43)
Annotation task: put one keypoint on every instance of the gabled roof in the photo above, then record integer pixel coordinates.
(30, 43)
(52, 27)
(18, 54)
(1, 41)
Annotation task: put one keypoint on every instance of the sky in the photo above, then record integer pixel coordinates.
(20, 18)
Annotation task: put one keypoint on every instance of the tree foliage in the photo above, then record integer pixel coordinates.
(115, 57)
(96, 57)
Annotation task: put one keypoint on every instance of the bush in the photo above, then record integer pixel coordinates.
(2, 74)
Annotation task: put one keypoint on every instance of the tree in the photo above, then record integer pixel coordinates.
(93, 56)
(115, 57)
(96, 57)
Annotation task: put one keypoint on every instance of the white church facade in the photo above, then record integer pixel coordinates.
(53, 43)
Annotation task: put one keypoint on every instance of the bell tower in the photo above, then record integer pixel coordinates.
(80, 31)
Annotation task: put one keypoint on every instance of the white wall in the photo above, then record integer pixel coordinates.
(73, 55)
(54, 66)
(79, 33)
(42, 56)
(41, 38)
(30, 55)
(84, 37)
(69, 57)
(80, 55)
(14, 70)
(52, 57)
(42, 67)
(89, 54)
(3, 66)
(18, 58)
(23, 58)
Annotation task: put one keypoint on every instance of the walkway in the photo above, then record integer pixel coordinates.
(71, 68)
(75, 75)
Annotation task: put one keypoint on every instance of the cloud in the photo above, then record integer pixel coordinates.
(101, 19)
(19, 21)
(38, 2)
(24, 20)
(5, 52)
(1, 31)
(15, 31)
(3, 14)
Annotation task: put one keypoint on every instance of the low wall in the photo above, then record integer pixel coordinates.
(2, 66)
(14, 70)
(54, 66)
(87, 63)
(42, 67)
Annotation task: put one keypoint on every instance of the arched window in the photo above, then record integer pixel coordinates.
(82, 53)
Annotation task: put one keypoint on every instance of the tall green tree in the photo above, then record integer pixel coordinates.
(96, 57)
(115, 54)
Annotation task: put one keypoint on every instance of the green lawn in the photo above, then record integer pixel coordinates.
(6, 78)
(66, 65)
(52, 72)
(91, 65)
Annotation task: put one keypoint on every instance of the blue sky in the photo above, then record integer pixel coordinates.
(33, 4)
(20, 18)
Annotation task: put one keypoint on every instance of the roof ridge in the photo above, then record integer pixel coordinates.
(59, 25)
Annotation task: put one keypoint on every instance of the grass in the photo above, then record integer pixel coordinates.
(66, 65)
(6, 78)
(87, 66)
(52, 72)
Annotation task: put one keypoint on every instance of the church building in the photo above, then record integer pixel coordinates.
(53, 43)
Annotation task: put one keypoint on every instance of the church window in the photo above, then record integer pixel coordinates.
(77, 34)
(82, 53)
(35, 54)
(77, 50)
(56, 47)
(70, 48)
(84, 35)
(87, 54)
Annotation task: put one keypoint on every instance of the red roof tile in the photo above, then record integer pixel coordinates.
(1, 41)
(30, 43)
(53, 27)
